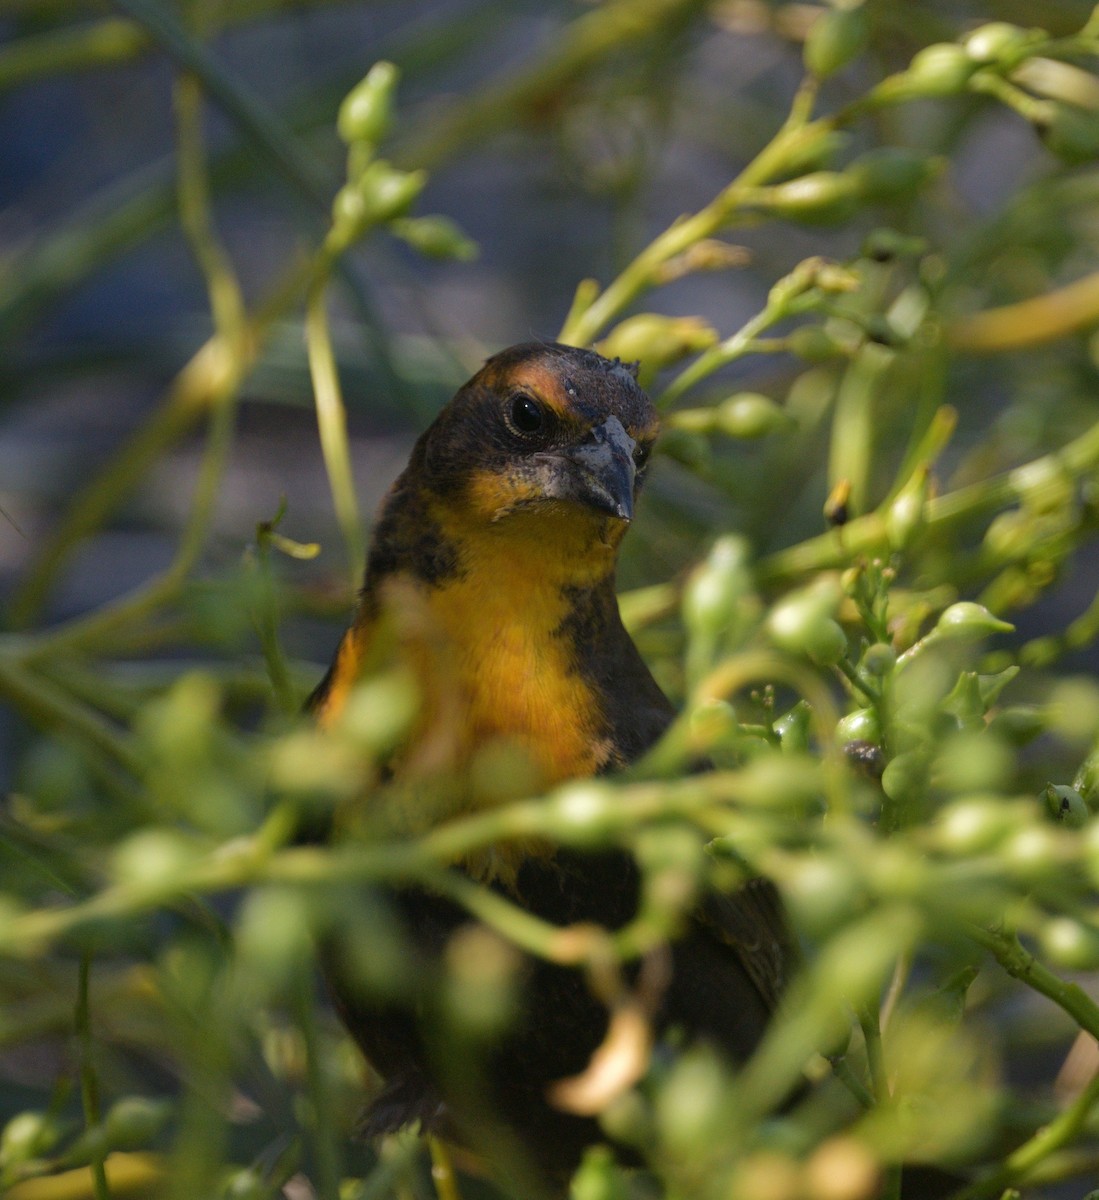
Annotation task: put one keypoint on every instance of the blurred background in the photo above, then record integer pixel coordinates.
(558, 144)
(561, 136)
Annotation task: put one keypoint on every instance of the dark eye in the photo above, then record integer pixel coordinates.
(527, 415)
(641, 454)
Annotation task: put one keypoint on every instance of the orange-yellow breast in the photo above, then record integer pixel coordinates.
(490, 652)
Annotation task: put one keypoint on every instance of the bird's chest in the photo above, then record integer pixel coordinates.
(502, 671)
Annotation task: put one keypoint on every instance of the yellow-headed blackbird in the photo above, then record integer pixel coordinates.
(498, 545)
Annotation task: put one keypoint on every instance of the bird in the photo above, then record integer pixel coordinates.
(491, 578)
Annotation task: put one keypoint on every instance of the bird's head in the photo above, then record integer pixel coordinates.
(544, 428)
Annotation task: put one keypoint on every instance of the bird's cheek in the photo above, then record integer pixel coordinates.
(492, 494)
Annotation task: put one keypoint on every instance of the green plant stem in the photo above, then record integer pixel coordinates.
(332, 424)
(72, 48)
(257, 860)
(89, 1084)
(1018, 962)
(50, 707)
(214, 373)
(527, 93)
(586, 323)
(744, 341)
(261, 126)
(321, 1119)
(867, 535)
(1023, 1161)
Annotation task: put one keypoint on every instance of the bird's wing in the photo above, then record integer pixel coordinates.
(752, 923)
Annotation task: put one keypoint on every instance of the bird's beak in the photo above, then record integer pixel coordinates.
(599, 473)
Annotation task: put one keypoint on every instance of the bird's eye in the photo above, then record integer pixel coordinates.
(641, 454)
(527, 415)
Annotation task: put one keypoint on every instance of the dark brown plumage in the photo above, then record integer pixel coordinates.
(500, 539)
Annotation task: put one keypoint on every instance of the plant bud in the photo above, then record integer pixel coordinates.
(436, 237)
(943, 69)
(859, 726)
(969, 620)
(693, 420)
(134, 1121)
(814, 344)
(999, 42)
(685, 445)
(973, 825)
(152, 856)
(751, 415)
(1070, 943)
(836, 38)
(803, 622)
(793, 727)
(1018, 724)
(364, 115)
(584, 812)
(28, 1135)
(1066, 805)
(907, 513)
(388, 192)
(940, 70)
(1086, 781)
(715, 586)
(891, 173)
(905, 776)
(821, 197)
(879, 659)
(657, 341)
(1033, 852)
(1071, 133)
(823, 893)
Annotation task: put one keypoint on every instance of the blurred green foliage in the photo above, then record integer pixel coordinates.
(846, 550)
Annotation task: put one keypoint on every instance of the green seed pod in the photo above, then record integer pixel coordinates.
(905, 777)
(823, 894)
(366, 110)
(693, 420)
(1086, 781)
(967, 619)
(814, 344)
(750, 415)
(891, 173)
(1033, 853)
(821, 197)
(712, 722)
(940, 70)
(793, 728)
(657, 341)
(715, 586)
(973, 825)
(599, 1177)
(1066, 806)
(999, 42)
(28, 1135)
(1070, 944)
(802, 622)
(943, 69)
(134, 1121)
(1018, 724)
(836, 38)
(685, 446)
(388, 192)
(435, 236)
(1071, 133)
(907, 514)
(862, 725)
(879, 659)
(152, 856)
(584, 812)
